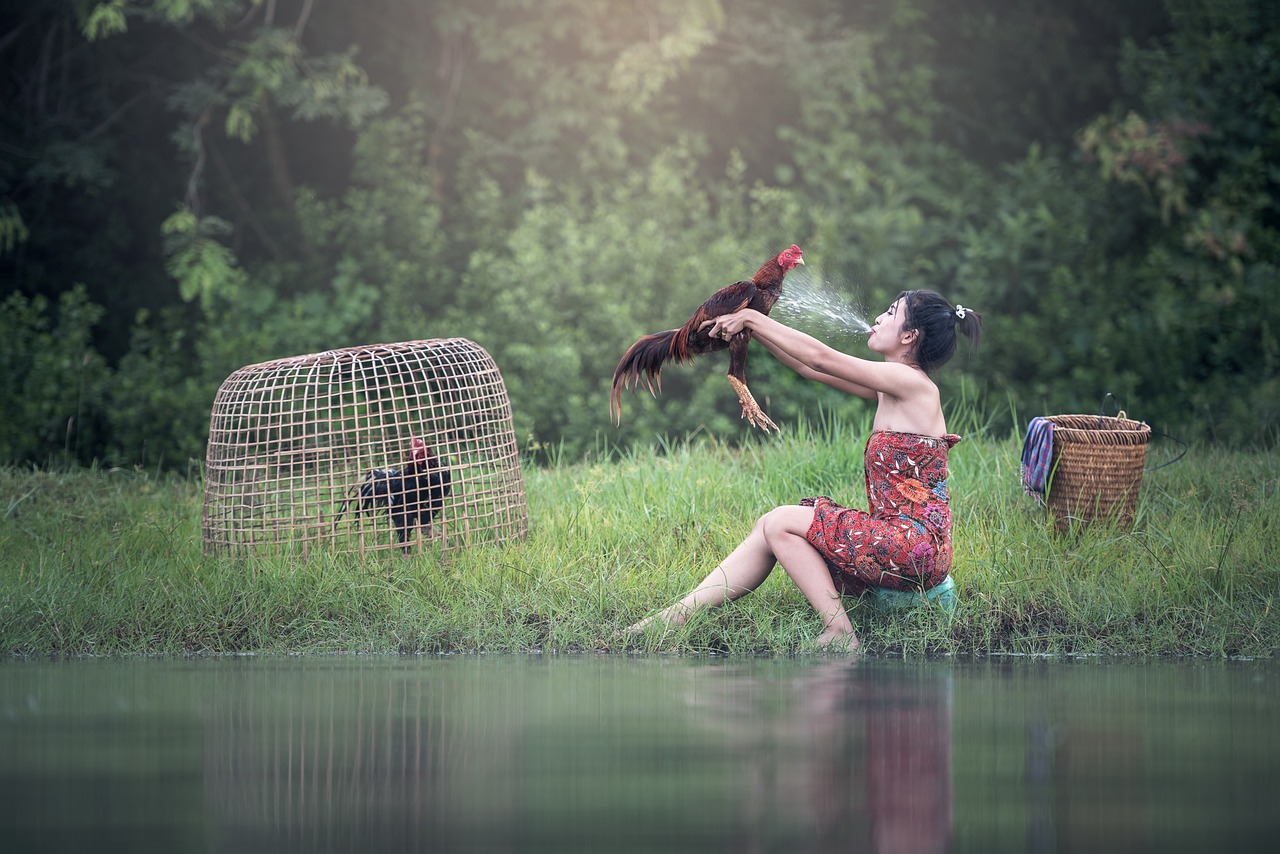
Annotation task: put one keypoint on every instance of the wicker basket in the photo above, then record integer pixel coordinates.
(1096, 469)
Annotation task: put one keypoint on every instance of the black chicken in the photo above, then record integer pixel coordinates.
(412, 496)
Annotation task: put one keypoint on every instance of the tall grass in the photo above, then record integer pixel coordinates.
(110, 562)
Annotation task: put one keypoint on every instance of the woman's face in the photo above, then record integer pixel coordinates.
(886, 332)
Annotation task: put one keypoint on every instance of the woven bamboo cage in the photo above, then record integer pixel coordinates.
(319, 450)
(1096, 469)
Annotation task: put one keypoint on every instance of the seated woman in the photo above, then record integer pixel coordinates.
(904, 541)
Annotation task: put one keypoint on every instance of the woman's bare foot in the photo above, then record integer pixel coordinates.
(639, 627)
(675, 615)
(837, 641)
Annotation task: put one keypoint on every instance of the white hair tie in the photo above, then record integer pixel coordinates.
(960, 311)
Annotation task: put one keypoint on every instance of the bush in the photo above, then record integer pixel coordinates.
(53, 384)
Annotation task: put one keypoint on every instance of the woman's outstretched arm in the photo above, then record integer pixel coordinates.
(810, 358)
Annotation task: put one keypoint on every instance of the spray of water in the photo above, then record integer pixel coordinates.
(806, 299)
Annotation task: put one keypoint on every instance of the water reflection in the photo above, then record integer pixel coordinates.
(836, 756)
(1079, 778)
(909, 766)
(621, 754)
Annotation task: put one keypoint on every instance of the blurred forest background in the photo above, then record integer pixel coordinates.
(189, 186)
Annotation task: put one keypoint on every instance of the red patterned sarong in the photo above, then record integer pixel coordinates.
(904, 543)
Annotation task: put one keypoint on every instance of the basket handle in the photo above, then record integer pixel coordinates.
(1185, 448)
(1119, 413)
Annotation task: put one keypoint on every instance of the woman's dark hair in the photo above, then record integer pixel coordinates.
(937, 321)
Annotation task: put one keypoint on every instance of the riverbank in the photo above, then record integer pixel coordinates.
(110, 562)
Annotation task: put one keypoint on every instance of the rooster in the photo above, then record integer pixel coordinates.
(412, 495)
(426, 484)
(643, 361)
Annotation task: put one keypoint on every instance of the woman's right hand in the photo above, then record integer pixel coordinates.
(726, 325)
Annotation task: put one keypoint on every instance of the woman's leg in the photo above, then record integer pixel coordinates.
(742, 571)
(785, 530)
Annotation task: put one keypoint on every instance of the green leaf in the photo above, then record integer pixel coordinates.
(204, 268)
(106, 19)
(12, 229)
(240, 123)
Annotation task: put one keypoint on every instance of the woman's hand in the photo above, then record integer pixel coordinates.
(727, 325)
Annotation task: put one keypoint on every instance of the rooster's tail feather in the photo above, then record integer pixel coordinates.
(642, 363)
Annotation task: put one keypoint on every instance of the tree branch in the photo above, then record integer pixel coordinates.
(113, 118)
(12, 36)
(452, 63)
(249, 16)
(241, 202)
(302, 20)
(193, 182)
(42, 75)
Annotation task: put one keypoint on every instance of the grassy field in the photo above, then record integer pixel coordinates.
(110, 562)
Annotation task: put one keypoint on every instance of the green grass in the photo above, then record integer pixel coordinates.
(110, 562)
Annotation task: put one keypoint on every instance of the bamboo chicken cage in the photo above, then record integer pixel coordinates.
(384, 447)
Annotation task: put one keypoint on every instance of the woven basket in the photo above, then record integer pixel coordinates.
(1096, 469)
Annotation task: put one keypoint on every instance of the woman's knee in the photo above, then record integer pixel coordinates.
(790, 520)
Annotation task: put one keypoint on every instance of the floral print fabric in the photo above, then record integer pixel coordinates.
(904, 543)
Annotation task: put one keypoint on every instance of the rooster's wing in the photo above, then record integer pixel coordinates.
(693, 338)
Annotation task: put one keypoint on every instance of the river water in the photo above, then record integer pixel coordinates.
(637, 753)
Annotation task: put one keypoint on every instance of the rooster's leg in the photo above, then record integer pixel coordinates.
(750, 409)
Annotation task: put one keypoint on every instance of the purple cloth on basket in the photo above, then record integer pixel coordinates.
(1037, 456)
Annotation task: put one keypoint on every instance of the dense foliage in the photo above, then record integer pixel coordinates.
(188, 186)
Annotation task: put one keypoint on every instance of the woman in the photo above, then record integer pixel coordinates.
(904, 542)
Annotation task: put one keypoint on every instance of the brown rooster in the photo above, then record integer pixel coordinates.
(643, 361)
